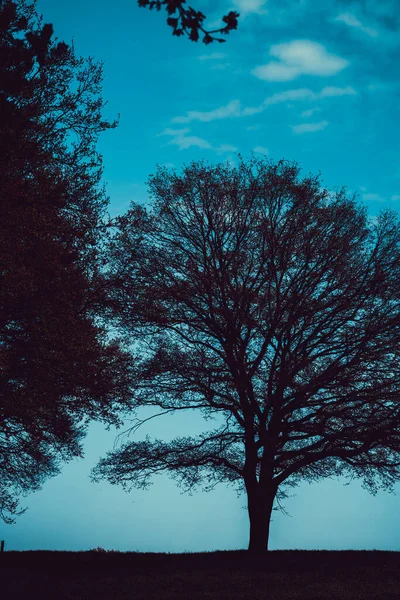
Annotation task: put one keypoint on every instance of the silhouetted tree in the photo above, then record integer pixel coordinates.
(264, 301)
(190, 21)
(58, 366)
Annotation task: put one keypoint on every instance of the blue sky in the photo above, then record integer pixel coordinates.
(312, 81)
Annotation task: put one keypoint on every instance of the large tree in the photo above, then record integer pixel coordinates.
(58, 365)
(259, 298)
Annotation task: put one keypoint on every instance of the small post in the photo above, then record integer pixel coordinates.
(2, 546)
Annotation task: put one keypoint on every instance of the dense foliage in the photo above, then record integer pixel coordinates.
(58, 367)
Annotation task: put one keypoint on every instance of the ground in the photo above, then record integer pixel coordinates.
(278, 575)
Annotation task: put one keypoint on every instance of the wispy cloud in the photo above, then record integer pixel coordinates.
(226, 148)
(374, 197)
(307, 94)
(385, 12)
(309, 127)
(252, 110)
(250, 6)
(309, 113)
(289, 95)
(212, 56)
(299, 57)
(352, 21)
(331, 91)
(382, 86)
(261, 150)
(220, 66)
(182, 139)
(234, 108)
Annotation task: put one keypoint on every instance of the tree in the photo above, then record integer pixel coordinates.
(58, 365)
(190, 22)
(264, 301)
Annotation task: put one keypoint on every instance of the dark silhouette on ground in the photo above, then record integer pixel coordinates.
(258, 298)
(188, 21)
(278, 575)
(58, 368)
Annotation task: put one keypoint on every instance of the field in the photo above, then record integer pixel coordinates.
(279, 575)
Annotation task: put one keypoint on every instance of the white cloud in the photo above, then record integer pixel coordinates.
(369, 196)
(274, 71)
(170, 131)
(261, 150)
(180, 138)
(307, 94)
(250, 6)
(352, 21)
(184, 141)
(330, 91)
(220, 66)
(226, 148)
(232, 109)
(381, 87)
(299, 57)
(309, 127)
(212, 56)
(252, 110)
(288, 95)
(309, 113)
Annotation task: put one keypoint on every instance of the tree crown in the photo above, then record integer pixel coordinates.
(256, 295)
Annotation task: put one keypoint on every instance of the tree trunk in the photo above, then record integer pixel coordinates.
(259, 503)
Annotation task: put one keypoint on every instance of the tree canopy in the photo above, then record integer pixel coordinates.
(256, 296)
(188, 21)
(58, 365)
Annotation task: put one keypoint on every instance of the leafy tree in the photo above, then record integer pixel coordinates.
(189, 21)
(58, 366)
(272, 306)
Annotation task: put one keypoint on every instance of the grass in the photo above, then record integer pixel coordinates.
(279, 575)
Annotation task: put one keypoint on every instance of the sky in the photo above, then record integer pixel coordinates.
(315, 82)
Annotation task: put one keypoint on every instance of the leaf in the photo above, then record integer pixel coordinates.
(172, 22)
(194, 35)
